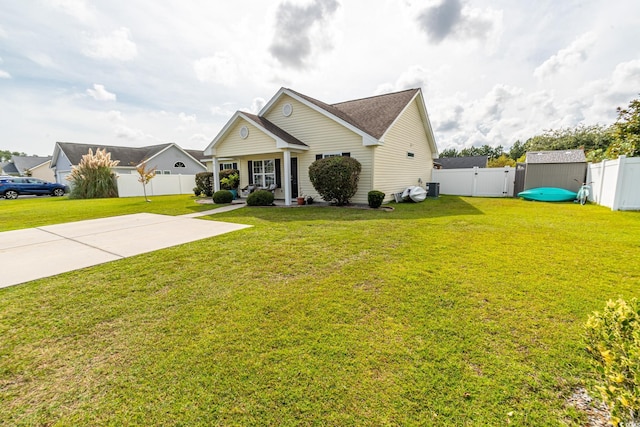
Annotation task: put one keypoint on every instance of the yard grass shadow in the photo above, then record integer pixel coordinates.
(443, 206)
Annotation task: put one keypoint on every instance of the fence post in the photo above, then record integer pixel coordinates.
(616, 195)
(474, 189)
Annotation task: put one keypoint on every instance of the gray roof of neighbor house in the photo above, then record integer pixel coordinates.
(557, 156)
(20, 164)
(372, 115)
(128, 156)
(275, 130)
(462, 162)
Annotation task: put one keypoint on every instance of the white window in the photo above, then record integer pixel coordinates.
(224, 166)
(264, 172)
(166, 172)
(325, 155)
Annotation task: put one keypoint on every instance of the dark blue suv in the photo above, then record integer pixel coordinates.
(11, 187)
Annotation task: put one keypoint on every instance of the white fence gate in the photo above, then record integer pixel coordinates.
(160, 185)
(616, 183)
(481, 182)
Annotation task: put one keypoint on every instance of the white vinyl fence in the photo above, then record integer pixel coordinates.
(160, 185)
(616, 183)
(481, 182)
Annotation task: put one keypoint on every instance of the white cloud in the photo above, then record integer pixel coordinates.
(188, 119)
(99, 93)
(131, 134)
(4, 74)
(76, 8)
(414, 77)
(566, 58)
(257, 104)
(117, 45)
(115, 116)
(42, 59)
(221, 111)
(453, 19)
(3, 33)
(220, 69)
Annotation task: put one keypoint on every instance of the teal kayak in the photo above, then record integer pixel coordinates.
(548, 194)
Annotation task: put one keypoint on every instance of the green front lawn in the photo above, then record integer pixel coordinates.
(25, 212)
(455, 311)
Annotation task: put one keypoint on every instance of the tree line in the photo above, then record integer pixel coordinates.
(599, 142)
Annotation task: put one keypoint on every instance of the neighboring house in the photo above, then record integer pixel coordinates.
(467, 162)
(562, 168)
(390, 135)
(34, 166)
(167, 158)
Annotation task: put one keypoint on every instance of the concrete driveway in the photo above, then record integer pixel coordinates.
(35, 253)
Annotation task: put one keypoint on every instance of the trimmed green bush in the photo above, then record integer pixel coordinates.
(613, 341)
(375, 198)
(204, 183)
(222, 197)
(335, 178)
(260, 198)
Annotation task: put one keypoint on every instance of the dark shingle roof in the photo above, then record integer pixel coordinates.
(21, 164)
(558, 156)
(275, 130)
(372, 115)
(128, 156)
(462, 162)
(375, 114)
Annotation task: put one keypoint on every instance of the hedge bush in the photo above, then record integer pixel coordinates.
(335, 178)
(260, 198)
(375, 198)
(613, 341)
(222, 197)
(204, 184)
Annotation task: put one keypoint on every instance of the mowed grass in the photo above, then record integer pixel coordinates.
(26, 212)
(455, 311)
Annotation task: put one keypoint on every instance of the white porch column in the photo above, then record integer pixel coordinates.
(216, 174)
(287, 178)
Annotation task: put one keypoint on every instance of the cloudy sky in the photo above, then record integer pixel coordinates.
(152, 71)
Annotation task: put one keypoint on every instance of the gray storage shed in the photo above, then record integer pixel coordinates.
(559, 168)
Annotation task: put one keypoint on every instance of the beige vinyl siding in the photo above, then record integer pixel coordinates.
(256, 143)
(323, 135)
(393, 170)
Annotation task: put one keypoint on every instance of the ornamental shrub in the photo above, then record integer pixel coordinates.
(93, 177)
(204, 184)
(335, 178)
(613, 341)
(260, 198)
(222, 196)
(229, 179)
(375, 198)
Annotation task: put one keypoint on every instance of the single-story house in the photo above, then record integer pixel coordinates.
(390, 135)
(167, 158)
(34, 166)
(560, 168)
(467, 162)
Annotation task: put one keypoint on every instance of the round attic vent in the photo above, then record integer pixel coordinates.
(244, 132)
(287, 109)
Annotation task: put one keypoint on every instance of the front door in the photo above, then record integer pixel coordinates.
(294, 177)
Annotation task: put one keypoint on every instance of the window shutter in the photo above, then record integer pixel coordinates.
(318, 156)
(221, 167)
(235, 165)
(250, 167)
(346, 154)
(278, 178)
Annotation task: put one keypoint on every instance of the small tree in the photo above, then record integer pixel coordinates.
(93, 177)
(335, 178)
(145, 175)
(626, 132)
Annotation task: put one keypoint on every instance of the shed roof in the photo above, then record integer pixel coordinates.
(556, 156)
